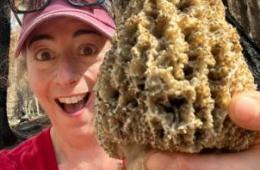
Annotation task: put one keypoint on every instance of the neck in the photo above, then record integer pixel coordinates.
(73, 148)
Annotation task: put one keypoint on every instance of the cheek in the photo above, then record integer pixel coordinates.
(40, 90)
(96, 66)
(37, 78)
(93, 70)
(37, 83)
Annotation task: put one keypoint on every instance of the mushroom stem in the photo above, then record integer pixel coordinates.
(135, 157)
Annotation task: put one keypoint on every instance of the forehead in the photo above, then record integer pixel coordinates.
(60, 25)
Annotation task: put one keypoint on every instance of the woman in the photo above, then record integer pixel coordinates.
(63, 46)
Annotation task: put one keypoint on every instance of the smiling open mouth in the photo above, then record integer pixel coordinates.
(73, 104)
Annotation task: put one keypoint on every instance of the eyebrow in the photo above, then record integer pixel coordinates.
(39, 37)
(84, 31)
(48, 37)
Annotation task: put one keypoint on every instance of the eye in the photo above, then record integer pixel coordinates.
(44, 55)
(87, 50)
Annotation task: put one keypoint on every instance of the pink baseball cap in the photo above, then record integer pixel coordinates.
(96, 16)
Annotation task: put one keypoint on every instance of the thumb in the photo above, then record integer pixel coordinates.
(244, 110)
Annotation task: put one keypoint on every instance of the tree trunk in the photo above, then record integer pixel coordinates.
(245, 16)
(7, 137)
(247, 12)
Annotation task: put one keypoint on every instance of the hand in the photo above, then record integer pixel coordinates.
(244, 110)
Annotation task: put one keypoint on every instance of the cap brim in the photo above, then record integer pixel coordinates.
(104, 28)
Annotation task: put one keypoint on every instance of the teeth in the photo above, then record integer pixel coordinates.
(71, 100)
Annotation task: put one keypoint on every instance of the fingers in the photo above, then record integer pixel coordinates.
(177, 161)
(164, 161)
(244, 110)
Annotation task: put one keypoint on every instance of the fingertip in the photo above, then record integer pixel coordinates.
(244, 110)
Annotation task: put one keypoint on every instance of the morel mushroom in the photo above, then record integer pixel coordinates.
(168, 79)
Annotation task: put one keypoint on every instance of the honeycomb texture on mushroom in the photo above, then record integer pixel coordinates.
(169, 77)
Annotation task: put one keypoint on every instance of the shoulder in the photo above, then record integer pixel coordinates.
(30, 153)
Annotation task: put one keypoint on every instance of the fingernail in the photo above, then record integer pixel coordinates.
(248, 106)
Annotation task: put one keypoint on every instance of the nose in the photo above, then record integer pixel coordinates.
(66, 73)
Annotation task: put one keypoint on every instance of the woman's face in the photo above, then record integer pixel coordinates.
(63, 58)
